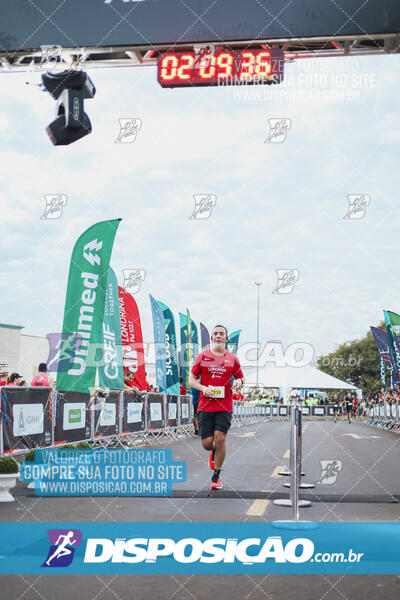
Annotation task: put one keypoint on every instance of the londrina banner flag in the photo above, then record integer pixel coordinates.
(171, 355)
(111, 369)
(84, 306)
(233, 342)
(205, 337)
(159, 340)
(132, 338)
(392, 322)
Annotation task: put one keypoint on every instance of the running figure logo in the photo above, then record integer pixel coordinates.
(357, 206)
(128, 129)
(278, 129)
(203, 205)
(286, 281)
(63, 543)
(55, 204)
(329, 471)
(133, 279)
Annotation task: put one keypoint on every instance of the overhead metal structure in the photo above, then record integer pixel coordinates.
(118, 33)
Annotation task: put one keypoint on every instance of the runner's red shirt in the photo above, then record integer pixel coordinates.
(216, 370)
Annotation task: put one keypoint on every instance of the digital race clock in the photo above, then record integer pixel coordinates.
(223, 67)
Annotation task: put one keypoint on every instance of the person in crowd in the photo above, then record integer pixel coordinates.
(13, 379)
(237, 395)
(128, 382)
(182, 389)
(212, 374)
(3, 377)
(22, 383)
(41, 379)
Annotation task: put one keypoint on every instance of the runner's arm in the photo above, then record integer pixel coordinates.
(194, 382)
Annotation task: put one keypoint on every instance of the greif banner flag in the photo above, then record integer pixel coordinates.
(233, 342)
(84, 306)
(111, 369)
(132, 338)
(171, 354)
(159, 340)
(392, 322)
(205, 337)
(387, 357)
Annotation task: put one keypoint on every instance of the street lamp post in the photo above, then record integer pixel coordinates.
(258, 284)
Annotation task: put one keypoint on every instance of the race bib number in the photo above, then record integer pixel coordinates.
(218, 391)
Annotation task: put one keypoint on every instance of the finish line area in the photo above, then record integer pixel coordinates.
(362, 486)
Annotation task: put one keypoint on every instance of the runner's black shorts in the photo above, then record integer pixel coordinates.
(213, 421)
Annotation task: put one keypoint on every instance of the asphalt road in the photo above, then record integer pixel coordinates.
(367, 488)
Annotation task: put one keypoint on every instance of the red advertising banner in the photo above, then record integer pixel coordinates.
(132, 338)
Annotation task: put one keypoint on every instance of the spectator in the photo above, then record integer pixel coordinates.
(182, 389)
(22, 383)
(13, 379)
(3, 377)
(41, 378)
(128, 382)
(237, 395)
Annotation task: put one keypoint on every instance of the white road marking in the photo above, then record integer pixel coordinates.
(287, 453)
(363, 437)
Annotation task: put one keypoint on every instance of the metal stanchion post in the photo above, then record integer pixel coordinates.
(295, 467)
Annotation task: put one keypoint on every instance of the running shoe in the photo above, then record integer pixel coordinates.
(216, 485)
(211, 460)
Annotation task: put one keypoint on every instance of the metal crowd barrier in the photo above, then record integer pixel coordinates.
(39, 417)
(385, 416)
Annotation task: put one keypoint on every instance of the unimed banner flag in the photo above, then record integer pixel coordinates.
(84, 306)
(111, 370)
(132, 338)
(171, 355)
(159, 340)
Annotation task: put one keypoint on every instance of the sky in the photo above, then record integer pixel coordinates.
(278, 206)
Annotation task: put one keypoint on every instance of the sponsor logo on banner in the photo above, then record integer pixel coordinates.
(108, 414)
(63, 543)
(185, 410)
(28, 419)
(74, 415)
(134, 412)
(172, 410)
(155, 411)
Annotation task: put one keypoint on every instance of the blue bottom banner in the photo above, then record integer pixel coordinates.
(200, 548)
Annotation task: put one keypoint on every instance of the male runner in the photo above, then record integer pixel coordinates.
(211, 374)
(335, 402)
(348, 402)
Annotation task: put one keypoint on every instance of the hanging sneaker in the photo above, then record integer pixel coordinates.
(216, 485)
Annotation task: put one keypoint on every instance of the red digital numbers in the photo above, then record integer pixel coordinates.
(182, 69)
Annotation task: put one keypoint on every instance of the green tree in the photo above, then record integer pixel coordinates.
(356, 362)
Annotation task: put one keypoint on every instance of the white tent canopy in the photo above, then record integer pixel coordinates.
(295, 377)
